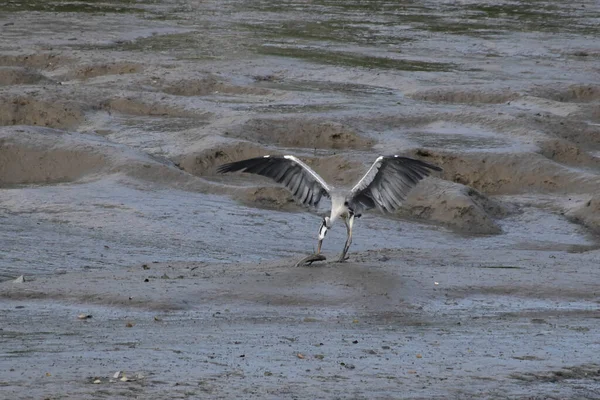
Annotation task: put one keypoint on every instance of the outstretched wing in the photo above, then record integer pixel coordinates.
(387, 183)
(305, 184)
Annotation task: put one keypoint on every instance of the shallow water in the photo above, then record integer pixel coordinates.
(105, 224)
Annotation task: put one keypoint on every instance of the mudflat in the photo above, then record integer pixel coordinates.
(147, 275)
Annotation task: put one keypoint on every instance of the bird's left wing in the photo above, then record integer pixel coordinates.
(387, 183)
(305, 184)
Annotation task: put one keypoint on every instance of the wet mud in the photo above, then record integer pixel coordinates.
(148, 275)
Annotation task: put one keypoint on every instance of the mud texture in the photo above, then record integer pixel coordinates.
(130, 269)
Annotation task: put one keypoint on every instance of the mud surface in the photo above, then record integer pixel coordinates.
(112, 122)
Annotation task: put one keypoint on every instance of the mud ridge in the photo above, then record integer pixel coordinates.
(576, 131)
(95, 70)
(587, 213)
(136, 106)
(204, 162)
(580, 372)
(303, 133)
(47, 61)
(32, 155)
(209, 85)
(465, 97)
(510, 173)
(457, 206)
(27, 110)
(565, 152)
(569, 94)
(334, 169)
(19, 76)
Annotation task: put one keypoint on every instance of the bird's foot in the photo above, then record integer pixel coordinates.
(343, 258)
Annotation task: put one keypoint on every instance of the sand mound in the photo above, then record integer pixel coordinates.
(30, 155)
(587, 213)
(579, 132)
(334, 169)
(41, 155)
(116, 68)
(209, 85)
(507, 173)
(257, 191)
(435, 200)
(570, 94)
(26, 110)
(303, 133)
(133, 106)
(204, 162)
(455, 205)
(273, 198)
(464, 97)
(565, 152)
(19, 76)
(38, 61)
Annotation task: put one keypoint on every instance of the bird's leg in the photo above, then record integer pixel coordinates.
(322, 233)
(349, 222)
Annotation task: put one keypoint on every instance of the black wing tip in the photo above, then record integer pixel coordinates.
(420, 162)
(221, 169)
(238, 165)
(230, 167)
(434, 167)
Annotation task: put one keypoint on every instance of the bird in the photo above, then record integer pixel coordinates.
(384, 186)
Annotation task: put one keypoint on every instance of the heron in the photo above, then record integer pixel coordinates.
(384, 186)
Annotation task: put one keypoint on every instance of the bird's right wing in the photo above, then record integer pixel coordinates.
(388, 181)
(305, 184)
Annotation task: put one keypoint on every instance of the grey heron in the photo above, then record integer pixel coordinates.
(384, 186)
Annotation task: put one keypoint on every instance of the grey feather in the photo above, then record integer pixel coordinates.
(305, 185)
(389, 180)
